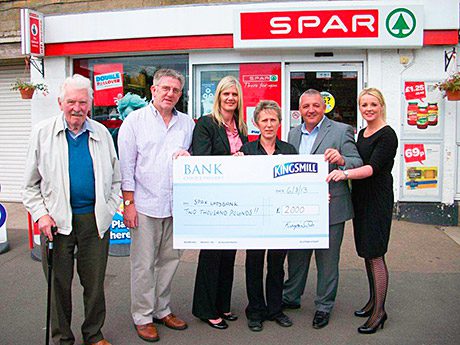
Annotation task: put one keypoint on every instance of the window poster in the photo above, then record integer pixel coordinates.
(208, 90)
(119, 233)
(296, 118)
(421, 171)
(423, 111)
(108, 84)
(260, 81)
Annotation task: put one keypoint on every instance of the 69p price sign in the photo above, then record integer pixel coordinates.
(414, 153)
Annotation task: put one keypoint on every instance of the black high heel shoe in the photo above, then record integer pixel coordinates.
(363, 313)
(220, 325)
(365, 329)
(229, 316)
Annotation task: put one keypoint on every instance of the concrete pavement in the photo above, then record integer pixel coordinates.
(423, 302)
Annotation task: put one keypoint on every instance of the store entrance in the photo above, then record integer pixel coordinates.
(339, 84)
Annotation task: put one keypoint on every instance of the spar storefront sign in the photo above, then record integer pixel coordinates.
(378, 26)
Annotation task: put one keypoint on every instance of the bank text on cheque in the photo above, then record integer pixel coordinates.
(250, 202)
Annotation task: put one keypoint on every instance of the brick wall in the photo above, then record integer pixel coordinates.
(10, 14)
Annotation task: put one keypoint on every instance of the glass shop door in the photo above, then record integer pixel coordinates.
(339, 83)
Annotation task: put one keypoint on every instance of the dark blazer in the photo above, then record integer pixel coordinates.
(210, 139)
(214, 275)
(338, 136)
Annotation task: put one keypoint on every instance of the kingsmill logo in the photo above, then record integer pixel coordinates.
(294, 168)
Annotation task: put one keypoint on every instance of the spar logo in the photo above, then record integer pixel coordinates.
(260, 78)
(401, 23)
(108, 81)
(294, 168)
(356, 23)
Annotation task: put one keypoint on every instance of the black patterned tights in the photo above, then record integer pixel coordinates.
(377, 274)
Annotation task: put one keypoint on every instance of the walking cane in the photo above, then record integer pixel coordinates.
(49, 257)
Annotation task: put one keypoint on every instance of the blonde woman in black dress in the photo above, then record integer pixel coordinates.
(372, 195)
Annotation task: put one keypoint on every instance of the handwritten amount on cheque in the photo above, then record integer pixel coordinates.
(202, 207)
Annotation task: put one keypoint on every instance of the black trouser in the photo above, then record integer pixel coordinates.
(257, 308)
(91, 265)
(213, 283)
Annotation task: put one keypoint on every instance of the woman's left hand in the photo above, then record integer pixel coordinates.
(336, 175)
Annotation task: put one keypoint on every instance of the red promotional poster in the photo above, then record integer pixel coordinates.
(108, 84)
(36, 35)
(414, 153)
(414, 90)
(260, 81)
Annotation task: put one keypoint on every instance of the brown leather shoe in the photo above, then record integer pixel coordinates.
(147, 332)
(172, 321)
(101, 342)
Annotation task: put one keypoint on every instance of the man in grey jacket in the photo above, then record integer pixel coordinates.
(319, 135)
(72, 183)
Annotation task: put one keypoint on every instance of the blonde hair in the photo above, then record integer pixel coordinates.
(224, 84)
(377, 94)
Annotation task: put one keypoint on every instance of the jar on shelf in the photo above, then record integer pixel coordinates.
(422, 118)
(433, 114)
(412, 110)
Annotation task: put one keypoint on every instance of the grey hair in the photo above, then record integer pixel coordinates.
(78, 82)
(267, 105)
(311, 92)
(168, 72)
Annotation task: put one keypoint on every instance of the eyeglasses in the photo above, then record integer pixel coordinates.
(166, 89)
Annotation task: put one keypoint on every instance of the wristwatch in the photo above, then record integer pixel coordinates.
(128, 202)
(345, 172)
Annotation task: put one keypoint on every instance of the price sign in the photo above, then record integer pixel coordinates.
(414, 90)
(414, 153)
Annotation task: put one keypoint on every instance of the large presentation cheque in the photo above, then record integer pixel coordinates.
(250, 202)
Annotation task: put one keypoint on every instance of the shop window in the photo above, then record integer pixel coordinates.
(206, 80)
(259, 81)
(339, 89)
(113, 77)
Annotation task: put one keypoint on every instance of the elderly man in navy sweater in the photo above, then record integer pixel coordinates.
(72, 183)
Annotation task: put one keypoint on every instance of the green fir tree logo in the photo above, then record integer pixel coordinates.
(401, 23)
